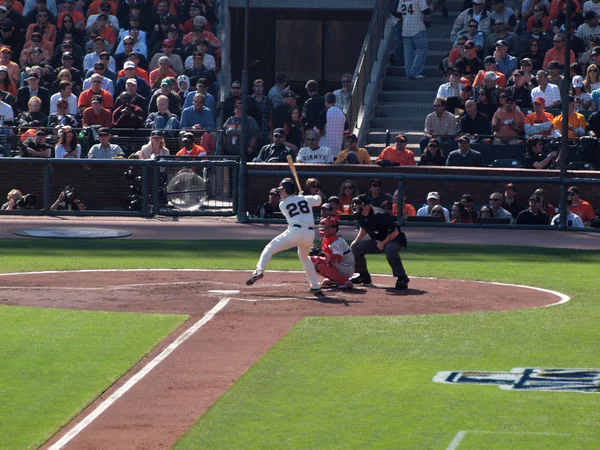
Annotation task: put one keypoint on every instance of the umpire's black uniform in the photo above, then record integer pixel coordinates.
(378, 227)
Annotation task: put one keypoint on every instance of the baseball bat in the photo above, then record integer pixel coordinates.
(294, 173)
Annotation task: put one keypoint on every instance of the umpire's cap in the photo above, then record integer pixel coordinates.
(288, 186)
(362, 199)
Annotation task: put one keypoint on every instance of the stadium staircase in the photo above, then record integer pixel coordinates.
(401, 104)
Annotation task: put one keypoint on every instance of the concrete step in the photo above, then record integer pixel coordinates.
(402, 84)
(379, 136)
(398, 109)
(405, 96)
(431, 71)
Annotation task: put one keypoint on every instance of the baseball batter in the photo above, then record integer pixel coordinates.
(335, 261)
(297, 210)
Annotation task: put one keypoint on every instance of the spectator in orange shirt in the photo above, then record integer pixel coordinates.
(490, 66)
(539, 122)
(580, 207)
(557, 53)
(43, 26)
(407, 208)
(78, 18)
(397, 155)
(164, 70)
(577, 124)
(85, 99)
(189, 148)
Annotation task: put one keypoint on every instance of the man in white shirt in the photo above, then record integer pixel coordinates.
(92, 58)
(549, 92)
(333, 121)
(415, 14)
(314, 153)
(65, 89)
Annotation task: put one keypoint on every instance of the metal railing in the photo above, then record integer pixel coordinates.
(366, 60)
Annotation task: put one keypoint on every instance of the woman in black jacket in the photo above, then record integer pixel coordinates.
(433, 155)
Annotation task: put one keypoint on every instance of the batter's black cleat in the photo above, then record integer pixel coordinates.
(402, 284)
(317, 292)
(361, 279)
(254, 278)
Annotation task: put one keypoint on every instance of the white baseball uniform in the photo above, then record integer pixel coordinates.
(297, 210)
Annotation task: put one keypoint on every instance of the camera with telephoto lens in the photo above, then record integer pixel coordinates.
(27, 202)
(70, 195)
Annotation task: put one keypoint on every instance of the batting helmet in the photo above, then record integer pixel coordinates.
(288, 186)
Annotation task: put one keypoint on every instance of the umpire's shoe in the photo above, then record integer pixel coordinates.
(402, 284)
(363, 278)
(254, 278)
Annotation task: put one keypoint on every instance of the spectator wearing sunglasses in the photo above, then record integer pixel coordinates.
(352, 154)
(397, 155)
(342, 96)
(313, 152)
(43, 26)
(377, 196)
(580, 207)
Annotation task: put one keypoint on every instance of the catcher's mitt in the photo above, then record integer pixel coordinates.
(315, 252)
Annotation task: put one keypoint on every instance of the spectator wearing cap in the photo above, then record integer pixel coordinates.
(468, 202)
(163, 118)
(202, 88)
(105, 29)
(352, 154)
(104, 13)
(474, 122)
(520, 90)
(167, 52)
(508, 123)
(189, 148)
(67, 47)
(277, 151)
(209, 60)
(577, 123)
(270, 209)
(490, 80)
(42, 25)
(548, 91)
(265, 107)
(433, 155)
(557, 52)
(136, 59)
(12, 68)
(10, 36)
(232, 127)
(583, 100)
(501, 13)
(37, 41)
(103, 67)
(536, 30)
(505, 63)
(166, 88)
(127, 115)
(452, 87)
(510, 202)
(107, 84)
(501, 32)
(589, 31)
(489, 64)
(465, 156)
(163, 71)
(62, 118)
(539, 122)
(98, 47)
(136, 99)
(313, 105)
(396, 155)
(332, 122)
(465, 17)
(129, 70)
(433, 200)
(276, 92)
(67, 63)
(155, 147)
(104, 149)
(580, 207)
(195, 9)
(439, 124)
(534, 215)
(280, 114)
(377, 195)
(96, 114)
(65, 90)
(85, 99)
(469, 65)
(36, 147)
(199, 70)
(33, 89)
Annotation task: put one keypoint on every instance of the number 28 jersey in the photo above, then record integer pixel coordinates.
(297, 209)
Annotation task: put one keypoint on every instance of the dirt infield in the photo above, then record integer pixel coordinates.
(157, 410)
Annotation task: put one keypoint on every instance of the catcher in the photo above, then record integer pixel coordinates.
(335, 260)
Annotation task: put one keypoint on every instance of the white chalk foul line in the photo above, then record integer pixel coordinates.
(138, 376)
(461, 434)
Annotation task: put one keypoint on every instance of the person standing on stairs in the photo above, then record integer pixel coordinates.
(396, 12)
(416, 17)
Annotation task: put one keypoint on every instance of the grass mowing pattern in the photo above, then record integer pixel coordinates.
(366, 382)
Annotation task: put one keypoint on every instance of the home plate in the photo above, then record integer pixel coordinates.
(224, 292)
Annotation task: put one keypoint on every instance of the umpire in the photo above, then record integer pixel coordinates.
(384, 237)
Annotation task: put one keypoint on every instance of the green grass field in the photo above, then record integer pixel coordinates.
(348, 382)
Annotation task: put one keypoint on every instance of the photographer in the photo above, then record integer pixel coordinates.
(12, 198)
(127, 115)
(534, 157)
(68, 201)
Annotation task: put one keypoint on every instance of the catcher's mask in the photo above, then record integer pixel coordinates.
(288, 186)
(328, 226)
